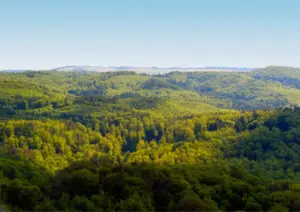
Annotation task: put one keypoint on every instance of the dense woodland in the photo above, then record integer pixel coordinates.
(136, 142)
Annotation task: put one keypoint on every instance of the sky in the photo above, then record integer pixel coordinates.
(40, 34)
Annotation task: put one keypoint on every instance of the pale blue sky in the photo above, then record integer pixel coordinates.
(40, 34)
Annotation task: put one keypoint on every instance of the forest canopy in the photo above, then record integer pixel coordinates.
(136, 142)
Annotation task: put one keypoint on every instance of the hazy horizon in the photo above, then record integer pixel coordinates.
(141, 67)
(48, 34)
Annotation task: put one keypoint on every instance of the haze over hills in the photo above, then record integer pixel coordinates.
(148, 70)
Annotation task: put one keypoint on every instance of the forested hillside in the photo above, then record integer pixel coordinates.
(135, 142)
(285, 75)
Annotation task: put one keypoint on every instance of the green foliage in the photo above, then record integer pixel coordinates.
(152, 187)
(243, 90)
(119, 141)
(285, 75)
(155, 83)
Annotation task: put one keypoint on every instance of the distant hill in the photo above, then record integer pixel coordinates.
(228, 88)
(202, 89)
(240, 88)
(229, 68)
(83, 68)
(150, 70)
(14, 71)
(286, 75)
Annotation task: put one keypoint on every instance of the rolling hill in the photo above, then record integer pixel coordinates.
(197, 141)
(285, 75)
